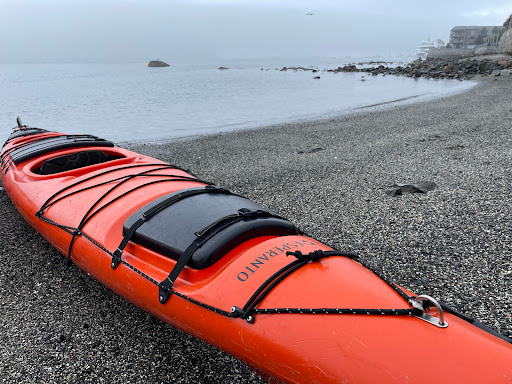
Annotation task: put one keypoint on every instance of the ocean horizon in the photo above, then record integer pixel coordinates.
(129, 102)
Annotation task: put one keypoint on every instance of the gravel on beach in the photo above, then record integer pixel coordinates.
(330, 177)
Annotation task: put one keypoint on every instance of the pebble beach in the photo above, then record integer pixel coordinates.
(329, 177)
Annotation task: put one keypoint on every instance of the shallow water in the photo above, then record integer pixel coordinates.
(131, 102)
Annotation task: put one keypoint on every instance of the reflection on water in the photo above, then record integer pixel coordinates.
(131, 102)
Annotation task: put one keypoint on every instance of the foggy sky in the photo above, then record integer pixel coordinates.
(140, 30)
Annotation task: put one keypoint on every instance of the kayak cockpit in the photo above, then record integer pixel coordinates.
(46, 144)
(73, 161)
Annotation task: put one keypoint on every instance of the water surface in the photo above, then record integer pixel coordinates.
(131, 102)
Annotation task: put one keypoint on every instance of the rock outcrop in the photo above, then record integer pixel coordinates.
(459, 68)
(505, 44)
(453, 68)
(157, 64)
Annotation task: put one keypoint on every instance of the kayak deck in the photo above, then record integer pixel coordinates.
(329, 319)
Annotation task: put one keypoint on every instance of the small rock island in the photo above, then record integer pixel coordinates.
(157, 63)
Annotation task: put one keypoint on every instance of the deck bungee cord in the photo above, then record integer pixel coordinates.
(120, 181)
(243, 279)
(418, 308)
(249, 310)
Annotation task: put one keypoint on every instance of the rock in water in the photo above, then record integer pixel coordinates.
(348, 68)
(157, 63)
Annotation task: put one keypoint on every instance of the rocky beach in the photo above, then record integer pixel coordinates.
(465, 68)
(333, 179)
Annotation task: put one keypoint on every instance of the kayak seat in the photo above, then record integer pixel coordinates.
(174, 228)
(73, 161)
(44, 145)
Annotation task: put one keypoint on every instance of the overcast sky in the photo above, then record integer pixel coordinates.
(140, 30)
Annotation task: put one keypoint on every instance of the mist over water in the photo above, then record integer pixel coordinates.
(131, 102)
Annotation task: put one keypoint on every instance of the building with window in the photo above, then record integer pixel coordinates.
(470, 36)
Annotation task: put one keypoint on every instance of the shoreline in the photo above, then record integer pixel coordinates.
(329, 177)
(421, 98)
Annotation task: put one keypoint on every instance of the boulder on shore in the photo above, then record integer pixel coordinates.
(157, 63)
(399, 189)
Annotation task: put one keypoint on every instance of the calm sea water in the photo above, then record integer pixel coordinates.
(131, 102)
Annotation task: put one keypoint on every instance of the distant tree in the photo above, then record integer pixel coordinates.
(499, 32)
(439, 43)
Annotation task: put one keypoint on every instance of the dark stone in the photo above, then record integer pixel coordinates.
(61, 338)
(348, 68)
(316, 77)
(95, 344)
(157, 64)
(420, 187)
(222, 68)
(115, 349)
(318, 149)
(456, 147)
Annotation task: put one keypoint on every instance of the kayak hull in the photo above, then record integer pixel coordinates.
(288, 347)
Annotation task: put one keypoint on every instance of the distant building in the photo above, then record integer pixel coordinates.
(469, 36)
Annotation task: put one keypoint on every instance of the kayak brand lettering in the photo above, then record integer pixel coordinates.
(268, 255)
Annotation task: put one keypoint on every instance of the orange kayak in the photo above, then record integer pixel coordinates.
(222, 268)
